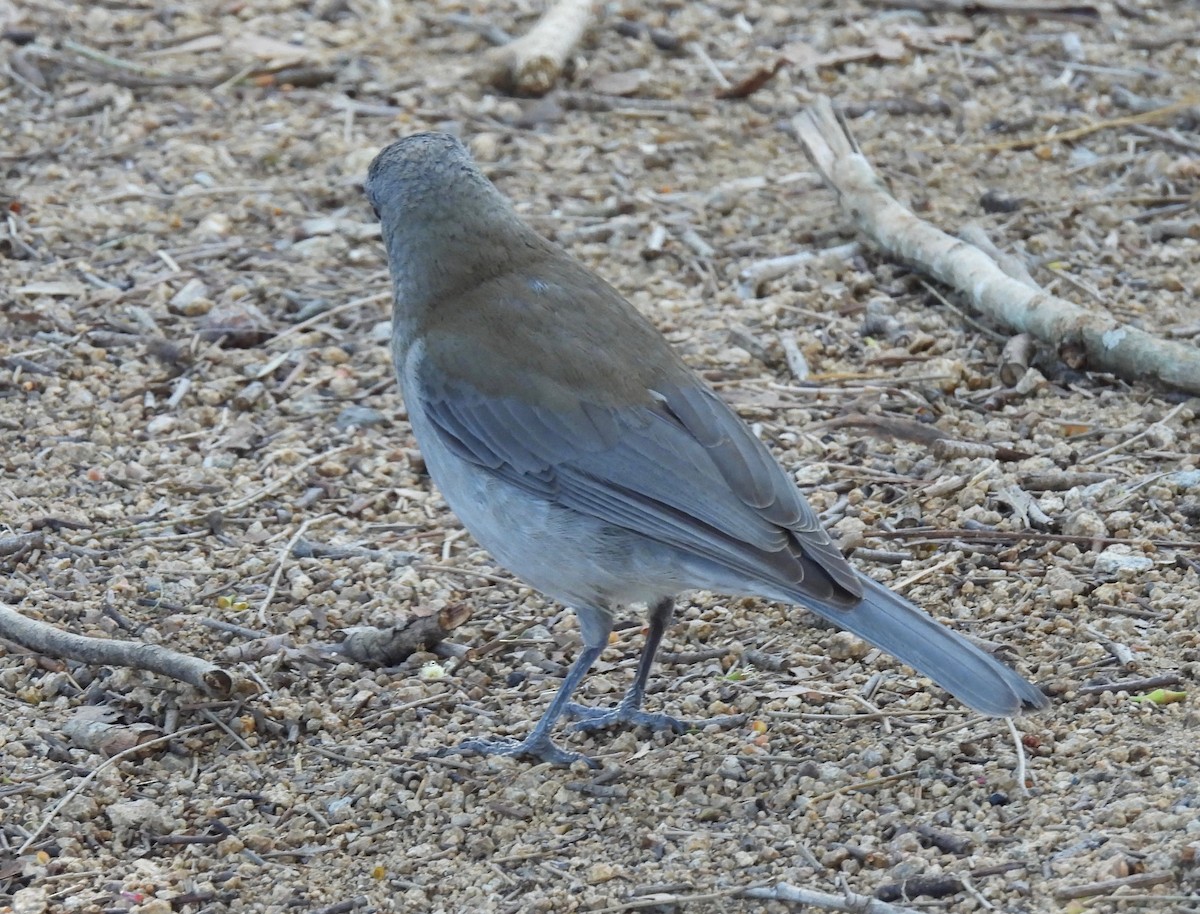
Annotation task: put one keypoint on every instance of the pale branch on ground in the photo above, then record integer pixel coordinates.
(826, 901)
(54, 642)
(1107, 344)
(532, 63)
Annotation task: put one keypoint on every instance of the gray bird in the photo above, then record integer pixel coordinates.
(578, 448)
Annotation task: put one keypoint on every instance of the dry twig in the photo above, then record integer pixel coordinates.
(91, 775)
(826, 901)
(1015, 536)
(1108, 344)
(1108, 886)
(46, 639)
(1051, 10)
(1165, 681)
(388, 646)
(1122, 653)
(532, 63)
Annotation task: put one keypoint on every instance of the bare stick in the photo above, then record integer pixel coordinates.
(388, 646)
(533, 62)
(1132, 685)
(1015, 536)
(1161, 423)
(306, 549)
(752, 277)
(108, 762)
(1108, 886)
(1059, 10)
(797, 364)
(1014, 266)
(1020, 747)
(932, 885)
(825, 901)
(1122, 653)
(1108, 344)
(46, 639)
(283, 557)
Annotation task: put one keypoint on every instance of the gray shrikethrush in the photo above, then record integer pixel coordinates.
(579, 449)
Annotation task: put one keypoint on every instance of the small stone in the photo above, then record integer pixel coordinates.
(152, 906)
(192, 291)
(1060, 579)
(160, 425)
(602, 872)
(1085, 523)
(324, 225)
(214, 225)
(845, 646)
(358, 416)
(485, 147)
(238, 324)
(1116, 559)
(33, 900)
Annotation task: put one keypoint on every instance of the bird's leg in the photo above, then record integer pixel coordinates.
(538, 744)
(629, 710)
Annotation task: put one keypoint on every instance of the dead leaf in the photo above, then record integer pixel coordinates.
(754, 81)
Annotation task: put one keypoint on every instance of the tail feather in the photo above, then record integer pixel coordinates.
(891, 623)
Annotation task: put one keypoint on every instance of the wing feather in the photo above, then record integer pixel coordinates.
(684, 470)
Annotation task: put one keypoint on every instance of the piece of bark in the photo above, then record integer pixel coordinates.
(1108, 344)
(947, 841)
(22, 544)
(96, 728)
(939, 885)
(942, 446)
(389, 646)
(1015, 358)
(532, 63)
(46, 639)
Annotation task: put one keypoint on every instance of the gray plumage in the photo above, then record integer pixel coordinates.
(578, 448)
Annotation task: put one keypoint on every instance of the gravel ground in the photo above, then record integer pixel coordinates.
(193, 378)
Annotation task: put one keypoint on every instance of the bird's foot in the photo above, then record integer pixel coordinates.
(539, 748)
(593, 719)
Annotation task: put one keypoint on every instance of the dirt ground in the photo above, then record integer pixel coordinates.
(194, 379)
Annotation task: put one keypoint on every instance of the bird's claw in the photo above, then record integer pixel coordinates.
(592, 719)
(540, 749)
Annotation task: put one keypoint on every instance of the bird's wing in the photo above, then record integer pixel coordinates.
(684, 470)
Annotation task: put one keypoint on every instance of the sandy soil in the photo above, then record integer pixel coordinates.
(193, 377)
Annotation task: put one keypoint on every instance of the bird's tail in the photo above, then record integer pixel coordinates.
(888, 621)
